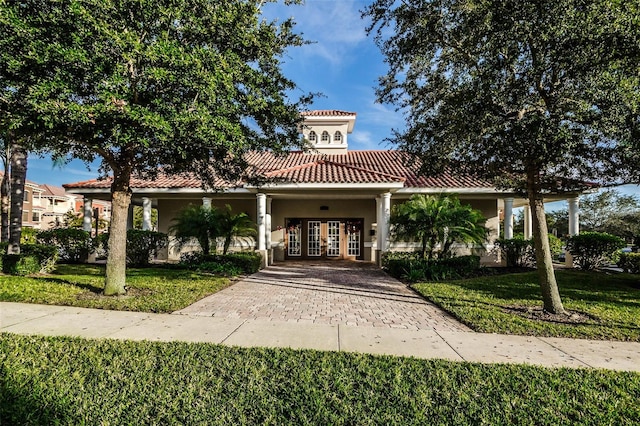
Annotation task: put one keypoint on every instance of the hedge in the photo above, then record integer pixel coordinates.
(591, 250)
(630, 262)
(411, 267)
(231, 263)
(33, 259)
(74, 245)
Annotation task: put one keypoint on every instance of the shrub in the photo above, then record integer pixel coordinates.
(520, 253)
(74, 245)
(591, 250)
(517, 251)
(232, 263)
(630, 262)
(141, 245)
(28, 236)
(33, 259)
(411, 267)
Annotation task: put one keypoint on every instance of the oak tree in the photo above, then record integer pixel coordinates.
(513, 91)
(159, 86)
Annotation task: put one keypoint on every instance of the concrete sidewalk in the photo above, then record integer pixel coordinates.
(24, 318)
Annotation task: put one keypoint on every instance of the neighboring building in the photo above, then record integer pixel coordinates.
(32, 207)
(328, 203)
(56, 203)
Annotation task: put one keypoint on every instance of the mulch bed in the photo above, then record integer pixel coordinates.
(537, 313)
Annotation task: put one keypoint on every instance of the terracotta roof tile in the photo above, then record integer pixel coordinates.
(327, 113)
(299, 167)
(323, 171)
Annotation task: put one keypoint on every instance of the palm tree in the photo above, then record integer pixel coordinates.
(434, 220)
(199, 222)
(465, 225)
(234, 225)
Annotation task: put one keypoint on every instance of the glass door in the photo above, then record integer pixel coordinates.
(333, 238)
(313, 244)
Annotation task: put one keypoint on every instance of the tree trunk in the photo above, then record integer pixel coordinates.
(18, 177)
(5, 200)
(544, 263)
(116, 273)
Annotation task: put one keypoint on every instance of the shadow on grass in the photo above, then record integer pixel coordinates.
(92, 288)
(21, 407)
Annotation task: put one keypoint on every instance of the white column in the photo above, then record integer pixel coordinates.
(574, 228)
(146, 214)
(261, 216)
(378, 223)
(528, 228)
(508, 218)
(87, 211)
(268, 227)
(574, 216)
(385, 211)
(206, 202)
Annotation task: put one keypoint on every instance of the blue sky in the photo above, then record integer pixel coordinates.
(342, 63)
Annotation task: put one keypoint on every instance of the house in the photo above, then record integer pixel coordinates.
(326, 203)
(56, 203)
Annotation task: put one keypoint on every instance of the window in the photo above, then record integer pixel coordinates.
(337, 137)
(325, 136)
(312, 136)
(333, 238)
(35, 217)
(314, 238)
(26, 196)
(25, 215)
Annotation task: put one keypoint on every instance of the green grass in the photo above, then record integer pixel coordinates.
(611, 301)
(55, 380)
(149, 289)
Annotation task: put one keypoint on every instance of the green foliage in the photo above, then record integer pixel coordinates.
(517, 251)
(159, 87)
(138, 212)
(555, 245)
(156, 289)
(412, 267)
(630, 262)
(197, 222)
(590, 250)
(74, 245)
(437, 222)
(520, 253)
(232, 263)
(504, 304)
(141, 245)
(58, 380)
(207, 224)
(498, 90)
(20, 264)
(232, 225)
(28, 236)
(33, 259)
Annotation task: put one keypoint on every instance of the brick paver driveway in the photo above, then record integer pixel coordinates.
(329, 292)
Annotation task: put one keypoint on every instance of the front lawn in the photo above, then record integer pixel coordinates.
(58, 380)
(149, 289)
(607, 305)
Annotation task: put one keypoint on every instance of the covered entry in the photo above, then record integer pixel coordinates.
(334, 238)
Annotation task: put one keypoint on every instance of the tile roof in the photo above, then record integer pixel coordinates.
(54, 191)
(323, 171)
(327, 113)
(299, 167)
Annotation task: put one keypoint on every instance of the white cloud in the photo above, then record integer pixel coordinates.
(334, 27)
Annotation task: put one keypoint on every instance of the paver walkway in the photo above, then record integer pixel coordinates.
(329, 292)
